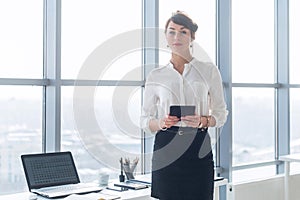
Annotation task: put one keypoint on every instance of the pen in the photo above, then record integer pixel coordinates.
(121, 161)
(121, 177)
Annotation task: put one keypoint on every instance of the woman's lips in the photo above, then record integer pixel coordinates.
(177, 44)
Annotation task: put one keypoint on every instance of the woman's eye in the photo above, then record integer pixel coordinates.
(172, 32)
(183, 32)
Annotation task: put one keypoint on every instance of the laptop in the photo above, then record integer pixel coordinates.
(54, 175)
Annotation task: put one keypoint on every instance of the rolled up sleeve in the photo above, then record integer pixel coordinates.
(218, 107)
(149, 109)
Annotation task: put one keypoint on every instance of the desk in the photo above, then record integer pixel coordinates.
(143, 194)
(287, 160)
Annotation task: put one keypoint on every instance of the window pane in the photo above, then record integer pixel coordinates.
(253, 41)
(294, 41)
(99, 29)
(295, 118)
(203, 12)
(295, 126)
(101, 129)
(20, 133)
(253, 125)
(21, 38)
(125, 67)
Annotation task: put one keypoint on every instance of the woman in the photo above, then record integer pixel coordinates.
(182, 163)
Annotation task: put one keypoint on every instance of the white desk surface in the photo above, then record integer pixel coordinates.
(143, 194)
(290, 157)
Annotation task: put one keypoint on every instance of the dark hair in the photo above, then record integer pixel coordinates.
(183, 20)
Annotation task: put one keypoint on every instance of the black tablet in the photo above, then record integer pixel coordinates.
(180, 111)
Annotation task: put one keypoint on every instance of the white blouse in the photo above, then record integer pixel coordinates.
(200, 84)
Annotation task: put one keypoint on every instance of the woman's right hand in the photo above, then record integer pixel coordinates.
(168, 121)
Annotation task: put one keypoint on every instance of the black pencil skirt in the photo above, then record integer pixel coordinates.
(182, 165)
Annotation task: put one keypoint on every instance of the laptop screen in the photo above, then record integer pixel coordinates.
(49, 169)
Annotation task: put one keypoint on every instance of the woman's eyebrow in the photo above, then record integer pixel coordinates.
(181, 28)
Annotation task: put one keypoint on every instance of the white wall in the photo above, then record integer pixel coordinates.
(269, 189)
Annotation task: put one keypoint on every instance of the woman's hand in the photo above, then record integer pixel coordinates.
(196, 121)
(168, 121)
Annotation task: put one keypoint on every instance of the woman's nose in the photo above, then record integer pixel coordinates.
(177, 35)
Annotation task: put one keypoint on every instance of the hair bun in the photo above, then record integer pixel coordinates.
(194, 27)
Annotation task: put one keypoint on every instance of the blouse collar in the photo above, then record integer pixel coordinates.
(187, 66)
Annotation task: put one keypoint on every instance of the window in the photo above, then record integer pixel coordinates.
(21, 39)
(253, 127)
(294, 6)
(20, 133)
(100, 121)
(294, 41)
(253, 41)
(99, 134)
(294, 126)
(253, 102)
(294, 70)
(21, 49)
(295, 116)
(99, 23)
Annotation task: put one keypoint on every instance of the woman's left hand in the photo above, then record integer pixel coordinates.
(195, 121)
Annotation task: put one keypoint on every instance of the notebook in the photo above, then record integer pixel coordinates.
(131, 185)
(54, 175)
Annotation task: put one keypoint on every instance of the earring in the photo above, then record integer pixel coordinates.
(192, 48)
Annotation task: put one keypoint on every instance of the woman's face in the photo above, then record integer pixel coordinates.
(178, 38)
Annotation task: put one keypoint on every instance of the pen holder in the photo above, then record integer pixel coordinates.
(130, 167)
(128, 172)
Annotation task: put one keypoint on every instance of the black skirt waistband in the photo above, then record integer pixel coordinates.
(185, 130)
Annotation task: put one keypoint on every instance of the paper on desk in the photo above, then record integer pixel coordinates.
(92, 196)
